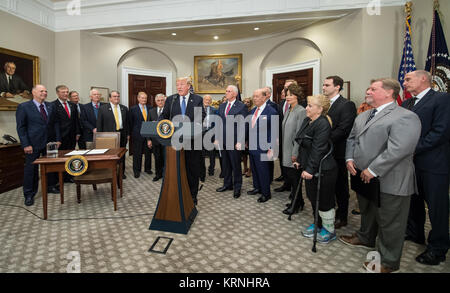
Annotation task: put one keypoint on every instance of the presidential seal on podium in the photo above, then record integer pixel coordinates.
(165, 128)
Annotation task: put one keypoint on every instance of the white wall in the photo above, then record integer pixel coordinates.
(358, 47)
(22, 36)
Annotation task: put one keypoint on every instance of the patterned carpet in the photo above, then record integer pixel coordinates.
(228, 236)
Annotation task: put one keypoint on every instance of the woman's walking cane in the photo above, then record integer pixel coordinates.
(316, 212)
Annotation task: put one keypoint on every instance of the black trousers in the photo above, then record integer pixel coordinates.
(212, 162)
(232, 169)
(433, 189)
(193, 161)
(68, 142)
(140, 147)
(293, 179)
(342, 192)
(159, 153)
(31, 174)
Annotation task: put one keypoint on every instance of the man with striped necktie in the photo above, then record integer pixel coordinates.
(140, 113)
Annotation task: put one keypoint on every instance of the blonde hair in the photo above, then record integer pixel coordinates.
(321, 101)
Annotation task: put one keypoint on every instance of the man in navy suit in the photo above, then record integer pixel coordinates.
(36, 126)
(208, 124)
(184, 103)
(261, 154)
(157, 148)
(67, 117)
(138, 114)
(231, 156)
(88, 117)
(432, 169)
(267, 93)
(342, 113)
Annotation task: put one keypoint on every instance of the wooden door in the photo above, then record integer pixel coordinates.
(151, 85)
(303, 77)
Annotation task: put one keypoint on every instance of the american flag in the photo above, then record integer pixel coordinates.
(407, 64)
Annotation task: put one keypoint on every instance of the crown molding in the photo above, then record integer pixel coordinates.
(101, 14)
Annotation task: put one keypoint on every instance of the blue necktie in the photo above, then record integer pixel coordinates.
(183, 106)
(96, 111)
(372, 114)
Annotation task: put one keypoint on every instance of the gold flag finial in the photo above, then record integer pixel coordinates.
(408, 8)
(436, 4)
(237, 77)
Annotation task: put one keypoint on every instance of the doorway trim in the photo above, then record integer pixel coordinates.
(314, 64)
(146, 72)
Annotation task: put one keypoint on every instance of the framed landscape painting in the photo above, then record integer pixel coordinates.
(213, 73)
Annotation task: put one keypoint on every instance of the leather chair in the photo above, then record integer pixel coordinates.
(102, 140)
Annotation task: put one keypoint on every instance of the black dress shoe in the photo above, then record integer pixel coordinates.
(53, 189)
(149, 172)
(156, 178)
(282, 188)
(202, 179)
(253, 191)
(221, 175)
(430, 258)
(339, 224)
(237, 193)
(281, 178)
(264, 198)
(211, 173)
(224, 188)
(137, 175)
(290, 211)
(124, 176)
(29, 201)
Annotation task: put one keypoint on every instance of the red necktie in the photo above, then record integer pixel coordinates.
(67, 109)
(96, 106)
(228, 109)
(254, 117)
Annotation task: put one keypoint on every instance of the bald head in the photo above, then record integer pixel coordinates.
(39, 93)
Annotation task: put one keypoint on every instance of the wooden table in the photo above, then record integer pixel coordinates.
(108, 160)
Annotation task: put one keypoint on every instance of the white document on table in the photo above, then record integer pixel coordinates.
(77, 153)
(97, 151)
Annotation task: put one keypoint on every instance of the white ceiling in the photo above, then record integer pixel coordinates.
(193, 21)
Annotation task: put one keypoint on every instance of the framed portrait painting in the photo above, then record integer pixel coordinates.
(213, 73)
(19, 72)
(103, 91)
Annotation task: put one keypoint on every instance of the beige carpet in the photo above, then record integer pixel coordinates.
(228, 236)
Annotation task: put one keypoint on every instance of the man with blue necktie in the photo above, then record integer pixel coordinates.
(36, 126)
(89, 114)
(184, 103)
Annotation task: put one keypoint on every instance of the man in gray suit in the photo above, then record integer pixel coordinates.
(381, 144)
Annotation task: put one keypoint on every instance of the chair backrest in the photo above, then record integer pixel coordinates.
(107, 140)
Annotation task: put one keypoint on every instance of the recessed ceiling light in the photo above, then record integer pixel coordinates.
(216, 37)
(174, 34)
(256, 29)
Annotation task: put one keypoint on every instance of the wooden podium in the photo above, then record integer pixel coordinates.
(175, 211)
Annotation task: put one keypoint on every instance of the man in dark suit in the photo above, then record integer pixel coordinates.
(184, 103)
(343, 113)
(432, 169)
(67, 117)
(74, 98)
(10, 83)
(231, 155)
(283, 107)
(36, 126)
(114, 117)
(261, 120)
(207, 125)
(89, 114)
(140, 113)
(157, 149)
(267, 93)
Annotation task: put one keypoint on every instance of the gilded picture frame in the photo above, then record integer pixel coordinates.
(27, 70)
(213, 73)
(103, 91)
